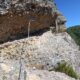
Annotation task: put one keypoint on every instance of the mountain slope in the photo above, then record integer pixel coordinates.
(74, 32)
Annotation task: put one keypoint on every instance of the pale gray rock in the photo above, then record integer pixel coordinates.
(46, 75)
(10, 72)
(40, 52)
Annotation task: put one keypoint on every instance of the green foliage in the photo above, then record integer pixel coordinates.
(65, 68)
(74, 31)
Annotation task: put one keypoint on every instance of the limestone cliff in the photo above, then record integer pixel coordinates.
(15, 16)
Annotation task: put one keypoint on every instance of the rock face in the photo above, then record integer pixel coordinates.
(15, 16)
(36, 75)
(46, 75)
(39, 52)
(11, 72)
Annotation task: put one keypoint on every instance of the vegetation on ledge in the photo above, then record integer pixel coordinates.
(64, 67)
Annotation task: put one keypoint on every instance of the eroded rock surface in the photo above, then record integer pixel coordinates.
(32, 74)
(40, 52)
(15, 16)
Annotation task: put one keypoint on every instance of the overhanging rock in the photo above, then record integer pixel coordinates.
(15, 16)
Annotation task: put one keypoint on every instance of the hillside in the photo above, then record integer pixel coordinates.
(74, 32)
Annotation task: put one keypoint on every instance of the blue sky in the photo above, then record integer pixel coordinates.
(71, 10)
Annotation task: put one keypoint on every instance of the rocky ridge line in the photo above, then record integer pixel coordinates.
(42, 53)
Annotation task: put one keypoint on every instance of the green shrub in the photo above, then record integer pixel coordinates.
(65, 68)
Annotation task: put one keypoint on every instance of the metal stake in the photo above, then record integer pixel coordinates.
(29, 28)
